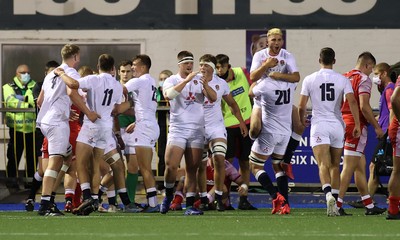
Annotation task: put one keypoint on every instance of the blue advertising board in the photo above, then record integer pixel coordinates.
(305, 166)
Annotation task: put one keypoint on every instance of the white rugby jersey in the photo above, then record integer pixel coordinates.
(186, 109)
(103, 92)
(212, 110)
(286, 62)
(276, 104)
(144, 97)
(326, 89)
(56, 103)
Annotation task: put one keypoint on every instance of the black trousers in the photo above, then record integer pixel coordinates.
(15, 149)
(162, 142)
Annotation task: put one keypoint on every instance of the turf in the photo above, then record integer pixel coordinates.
(300, 224)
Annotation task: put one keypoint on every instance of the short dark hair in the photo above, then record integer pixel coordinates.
(222, 59)
(364, 57)
(327, 56)
(124, 63)
(183, 54)
(106, 62)
(144, 59)
(51, 64)
(208, 58)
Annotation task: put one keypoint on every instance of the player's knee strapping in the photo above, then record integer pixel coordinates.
(276, 160)
(64, 168)
(204, 157)
(256, 160)
(50, 173)
(218, 148)
(113, 159)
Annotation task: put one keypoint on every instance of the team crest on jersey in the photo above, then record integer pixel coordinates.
(282, 62)
(195, 82)
(217, 87)
(208, 104)
(136, 139)
(318, 140)
(265, 149)
(190, 99)
(91, 140)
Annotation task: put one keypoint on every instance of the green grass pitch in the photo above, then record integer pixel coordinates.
(300, 224)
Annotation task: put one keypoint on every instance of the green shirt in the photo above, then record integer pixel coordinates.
(239, 87)
(125, 120)
(17, 95)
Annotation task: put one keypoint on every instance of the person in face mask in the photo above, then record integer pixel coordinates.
(18, 94)
(381, 78)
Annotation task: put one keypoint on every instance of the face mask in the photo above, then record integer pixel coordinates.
(25, 78)
(161, 83)
(376, 80)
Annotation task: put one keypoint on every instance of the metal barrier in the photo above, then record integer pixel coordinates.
(21, 171)
(15, 164)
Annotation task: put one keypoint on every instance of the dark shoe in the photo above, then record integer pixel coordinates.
(356, 204)
(51, 210)
(393, 216)
(30, 205)
(203, 206)
(193, 211)
(88, 206)
(133, 208)
(219, 206)
(149, 209)
(374, 211)
(12, 184)
(230, 208)
(164, 207)
(246, 205)
(343, 213)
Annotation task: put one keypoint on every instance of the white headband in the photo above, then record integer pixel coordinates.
(186, 59)
(211, 64)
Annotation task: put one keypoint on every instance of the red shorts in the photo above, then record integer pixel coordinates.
(355, 144)
(394, 136)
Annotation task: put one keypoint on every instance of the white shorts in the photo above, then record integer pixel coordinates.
(58, 138)
(186, 138)
(331, 133)
(111, 143)
(94, 136)
(214, 132)
(144, 135)
(268, 143)
(125, 137)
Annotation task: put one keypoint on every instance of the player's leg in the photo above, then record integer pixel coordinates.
(173, 156)
(193, 157)
(202, 180)
(218, 150)
(255, 121)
